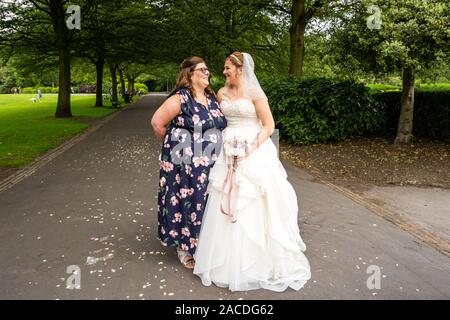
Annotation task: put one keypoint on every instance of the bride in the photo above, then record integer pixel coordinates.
(250, 237)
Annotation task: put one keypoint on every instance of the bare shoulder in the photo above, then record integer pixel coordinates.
(261, 103)
(174, 99)
(173, 103)
(220, 94)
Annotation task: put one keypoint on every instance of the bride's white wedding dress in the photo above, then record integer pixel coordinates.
(263, 248)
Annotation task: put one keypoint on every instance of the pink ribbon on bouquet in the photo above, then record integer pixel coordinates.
(229, 183)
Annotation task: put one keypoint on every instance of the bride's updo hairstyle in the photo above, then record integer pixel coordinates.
(236, 58)
(185, 73)
(250, 88)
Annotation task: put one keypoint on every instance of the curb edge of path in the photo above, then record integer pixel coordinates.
(45, 158)
(393, 216)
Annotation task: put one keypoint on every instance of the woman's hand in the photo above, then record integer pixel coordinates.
(267, 123)
(250, 148)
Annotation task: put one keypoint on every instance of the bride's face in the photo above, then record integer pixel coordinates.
(231, 72)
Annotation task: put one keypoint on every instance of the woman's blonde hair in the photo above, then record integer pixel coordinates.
(185, 74)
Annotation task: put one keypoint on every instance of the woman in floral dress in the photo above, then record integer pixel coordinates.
(189, 122)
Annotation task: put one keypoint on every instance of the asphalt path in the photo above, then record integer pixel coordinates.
(83, 226)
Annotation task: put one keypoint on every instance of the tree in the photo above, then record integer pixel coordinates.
(213, 29)
(39, 27)
(108, 36)
(56, 11)
(302, 11)
(395, 35)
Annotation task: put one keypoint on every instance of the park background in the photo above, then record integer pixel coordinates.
(360, 94)
(359, 89)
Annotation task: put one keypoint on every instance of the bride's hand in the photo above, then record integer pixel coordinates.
(249, 149)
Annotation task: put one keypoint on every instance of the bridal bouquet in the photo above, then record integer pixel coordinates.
(235, 147)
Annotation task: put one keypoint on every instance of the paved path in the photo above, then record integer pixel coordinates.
(94, 207)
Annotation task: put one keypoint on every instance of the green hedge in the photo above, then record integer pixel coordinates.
(321, 110)
(141, 87)
(43, 89)
(431, 113)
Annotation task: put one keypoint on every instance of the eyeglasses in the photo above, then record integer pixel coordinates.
(203, 70)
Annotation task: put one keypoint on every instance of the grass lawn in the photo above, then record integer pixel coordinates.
(29, 129)
(375, 87)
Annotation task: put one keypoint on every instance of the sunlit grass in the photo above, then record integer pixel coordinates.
(28, 129)
(376, 87)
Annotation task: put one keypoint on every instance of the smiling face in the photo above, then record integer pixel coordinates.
(200, 75)
(231, 72)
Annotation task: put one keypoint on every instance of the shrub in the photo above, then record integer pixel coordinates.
(141, 87)
(383, 88)
(431, 113)
(433, 87)
(321, 110)
(43, 89)
(29, 90)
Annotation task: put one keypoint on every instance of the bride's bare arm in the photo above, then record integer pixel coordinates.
(165, 113)
(220, 95)
(268, 124)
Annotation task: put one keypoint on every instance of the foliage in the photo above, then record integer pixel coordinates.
(141, 87)
(213, 29)
(412, 33)
(320, 110)
(27, 90)
(377, 87)
(433, 87)
(431, 113)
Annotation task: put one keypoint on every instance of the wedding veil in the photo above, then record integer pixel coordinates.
(251, 88)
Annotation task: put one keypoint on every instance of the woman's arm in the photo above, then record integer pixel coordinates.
(165, 113)
(268, 124)
(220, 95)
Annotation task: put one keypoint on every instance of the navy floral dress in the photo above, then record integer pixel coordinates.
(190, 147)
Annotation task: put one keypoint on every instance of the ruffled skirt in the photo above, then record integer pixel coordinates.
(263, 247)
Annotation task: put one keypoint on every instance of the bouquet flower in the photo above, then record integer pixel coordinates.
(235, 147)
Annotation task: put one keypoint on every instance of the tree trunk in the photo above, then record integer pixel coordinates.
(122, 81)
(113, 69)
(405, 122)
(64, 43)
(99, 89)
(63, 109)
(129, 83)
(297, 37)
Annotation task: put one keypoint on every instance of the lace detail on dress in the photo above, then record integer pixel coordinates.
(239, 113)
(238, 108)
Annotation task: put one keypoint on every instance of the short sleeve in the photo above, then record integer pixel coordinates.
(184, 99)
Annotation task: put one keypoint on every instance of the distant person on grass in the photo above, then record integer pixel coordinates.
(39, 92)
